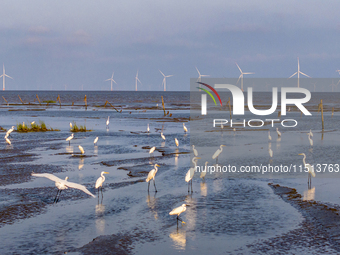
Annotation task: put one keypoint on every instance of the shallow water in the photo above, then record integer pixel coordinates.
(225, 213)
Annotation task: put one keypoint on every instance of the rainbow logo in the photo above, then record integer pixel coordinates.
(209, 93)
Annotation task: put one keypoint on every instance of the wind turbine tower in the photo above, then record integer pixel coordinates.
(298, 74)
(164, 80)
(3, 77)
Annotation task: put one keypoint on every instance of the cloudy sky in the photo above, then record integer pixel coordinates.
(78, 44)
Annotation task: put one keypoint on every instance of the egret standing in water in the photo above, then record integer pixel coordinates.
(100, 181)
(81, 149)
(204, 173)
(70, 125)
(152, 175)
(68, 139)
(63, 184)
(185, 128)
(152, 150)
(310, 169)
(310, 140)
(218, 152)
(95, 140)
(190, 173)
(9, 131)
(278, 132)
(194, 150)
(163, 137)
(108, 122)
(269, 136)
(177, 211)
(176, 141)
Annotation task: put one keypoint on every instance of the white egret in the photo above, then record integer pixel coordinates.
(310, 169)
(81, 149)
(310, 132)
(310, 140)
(218, 152)
(68, 139)
(162, 136)
(151, 175)
(177, 211)
(70, 124)
(152, 150)
(100, 181)
(9, 131)
(148, 128)
(176, 141)
(191, 172)
(8, 141)
(32, 122)
(269, 136)
(278, 132)
(203, 173)
(95, 140)
(107, 121)
(185, 128)
(194, 150)
(63, 184)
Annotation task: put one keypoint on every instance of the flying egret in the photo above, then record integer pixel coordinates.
(218, 152)
(177, 211)
(278, 132)
(100, 181)
(203, 173)
(151, 175)
(8, 141)
(310, 132)
(269, 136)
(81, 149)
(63, 184)
(95, 140)
(152, 150)
(190, 173)
(163, 136)
(148, 128)
(194, 150)
(185, 128)
(176, 141)
(68, 139)
(310, 140)
(107, 121)
(310, 169)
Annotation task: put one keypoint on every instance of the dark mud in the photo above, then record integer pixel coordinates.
(320, 230)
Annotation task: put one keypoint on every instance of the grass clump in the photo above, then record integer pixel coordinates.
(75, 128)
(33, 127)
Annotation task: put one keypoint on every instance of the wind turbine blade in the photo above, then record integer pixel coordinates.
(161, 72)
(139, 81)
(248, 73)
(114, 81)
(239, 78)
(108, 80)
(238, 67)
(199, 74)
(205, 75)
(168, 76)
(304, 74)
(292, 75)
(8, 76)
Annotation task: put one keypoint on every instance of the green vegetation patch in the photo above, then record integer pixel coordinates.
(33, 127)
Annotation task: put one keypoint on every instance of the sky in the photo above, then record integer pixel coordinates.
(75, 45)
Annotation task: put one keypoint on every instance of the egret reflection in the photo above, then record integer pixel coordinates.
(69, 149)
(81, 163)
(309, 194)
(95, 151)
(204, 189)
(178, 236)
(151, 202)
(100, 220)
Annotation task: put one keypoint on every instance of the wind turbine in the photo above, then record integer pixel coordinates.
(200, 75)
(298, 73)
(112, 80)
(137, 80)
(3, 77)
(241, 76)
(164, 80)
(333, 85)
